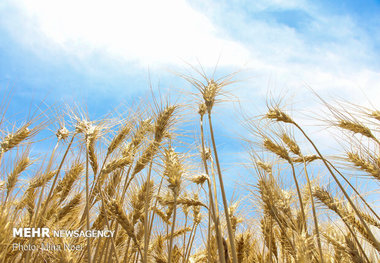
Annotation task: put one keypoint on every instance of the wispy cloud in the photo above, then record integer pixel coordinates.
(296, 44)
(302, 44)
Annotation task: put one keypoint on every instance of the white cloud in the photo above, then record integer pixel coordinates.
(278, 4)
(148, 32)
(332, 53)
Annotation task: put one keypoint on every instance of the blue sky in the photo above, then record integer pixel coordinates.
(103, 53)
(87, 46)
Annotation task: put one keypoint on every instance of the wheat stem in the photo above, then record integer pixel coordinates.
(331, 204)
(87, 209)
(191, 243)
(184, 238)
(147, 205)
(56, 176)
(172, 229)
(211, 199)
(314, 214)
(371, 236)
(299, 197)
(353, 188)
(43, 186)
(108, 226)
(225, 204)
(270, 240)
(51, 190)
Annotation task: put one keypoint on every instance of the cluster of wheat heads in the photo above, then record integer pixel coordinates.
(132, 175)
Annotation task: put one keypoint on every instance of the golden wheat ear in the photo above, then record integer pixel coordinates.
(12, 140)
(21, 164)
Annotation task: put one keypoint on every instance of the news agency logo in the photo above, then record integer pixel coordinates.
(30, 232)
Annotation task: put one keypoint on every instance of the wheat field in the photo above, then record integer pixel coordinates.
(166, 201)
